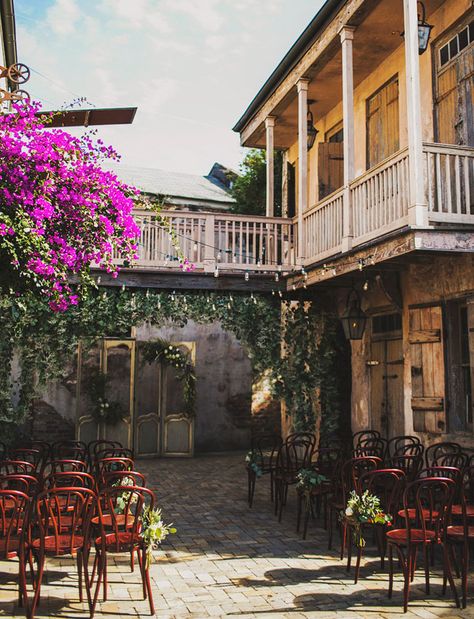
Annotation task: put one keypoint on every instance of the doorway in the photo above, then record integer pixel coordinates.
(386, 378)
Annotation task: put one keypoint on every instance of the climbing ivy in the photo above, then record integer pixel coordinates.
(305, 377)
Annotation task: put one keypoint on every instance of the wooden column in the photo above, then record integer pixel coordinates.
(347, 35)
(270, 194)
(302, 87)
(417, 208)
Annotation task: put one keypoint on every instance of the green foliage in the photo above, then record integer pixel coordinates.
(164, 352)
(363, 509)
(154, 530)
(306, 378)
(103, 409)
(249, 188)
(309, 479)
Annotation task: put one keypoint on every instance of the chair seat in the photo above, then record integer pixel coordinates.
(60, 545)
(418, 536)
(427, 514)
(118, 542)
(457, 510)
(119, 520)
(457, 531)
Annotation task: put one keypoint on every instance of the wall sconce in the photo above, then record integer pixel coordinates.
(354, 319)
(311, 129)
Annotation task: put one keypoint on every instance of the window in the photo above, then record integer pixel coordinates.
(386, 323)
(456, 45)
(383, 133)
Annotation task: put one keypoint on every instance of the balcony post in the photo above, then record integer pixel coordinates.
(417, 208)
(302, 87)
(270, 195)
(347, 35)
(209, 240)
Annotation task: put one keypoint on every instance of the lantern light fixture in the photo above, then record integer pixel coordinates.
(424, 29)
(354, 318)
(311, 129)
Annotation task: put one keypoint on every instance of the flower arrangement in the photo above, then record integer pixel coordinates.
(122, 500)
(364, 509)
(309, 479)
(168, 354)
(154, 530)
(252, 461)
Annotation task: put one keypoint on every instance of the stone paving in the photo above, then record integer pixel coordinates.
(229, 561)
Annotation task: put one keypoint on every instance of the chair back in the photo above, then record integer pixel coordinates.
(73, 450)
(357, 437)
(119, 509)
(435, 451)
(108, 465)
(456, 460)
(62, 517)
(265, 447)
(387, 484)
(72, 479)
(115, 452)
(9, 467)
(371, 446)
(328, 461)
(410, 465)
(426, 506)
(353, 469)
(14, 517)
(67, 465)
(27, 454)
(404, 445)
(294, 455)
(18, 481)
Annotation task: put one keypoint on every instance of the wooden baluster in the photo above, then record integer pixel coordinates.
(457, 176)
(467, 183)
(447, 169)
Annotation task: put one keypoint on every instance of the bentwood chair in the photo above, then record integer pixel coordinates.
(14, 522)
(403, 445)
(362, 435)
(430, 498)
(119, 532)
(435, 451)
(265, 449)
(294, 455)
(388, 485)
(62, 520)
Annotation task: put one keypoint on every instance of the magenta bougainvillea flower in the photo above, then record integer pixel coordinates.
(60, 212)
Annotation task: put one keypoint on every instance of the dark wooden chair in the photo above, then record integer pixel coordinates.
(264, 449)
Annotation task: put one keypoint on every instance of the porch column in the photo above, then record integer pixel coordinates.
(270, 195)
(302, 87)
(347, 35)
(417, 207)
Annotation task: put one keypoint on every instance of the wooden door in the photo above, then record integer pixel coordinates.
(386, 386)
(383, 124)
(116, 359)
(427, 369)
(454, 66)
(330, 167)
(148, 389)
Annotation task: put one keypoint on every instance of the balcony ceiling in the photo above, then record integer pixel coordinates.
(379, 26)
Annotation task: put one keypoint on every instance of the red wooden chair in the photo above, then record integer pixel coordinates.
(430, 497)
(74, 450)
(409, 464)
(14, 522)
(94, 447)
(435, 451)
(120, 532)
(120, 478)
(460, 531)
(373, 446)
(404, 445)
(62, 520)
(60, 479)
(22, 482)
(27, 454)
(12, 467)
(67, 465)
(388, 485)
(111, 465)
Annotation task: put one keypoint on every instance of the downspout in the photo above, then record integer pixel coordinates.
(8, 32)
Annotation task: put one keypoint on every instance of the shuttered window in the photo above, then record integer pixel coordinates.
(383, 125)
(427, 369)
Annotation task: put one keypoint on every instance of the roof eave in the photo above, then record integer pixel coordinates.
(289, 61)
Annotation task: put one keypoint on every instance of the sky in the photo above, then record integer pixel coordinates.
(190, 66)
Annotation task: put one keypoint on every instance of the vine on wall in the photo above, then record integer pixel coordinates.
(305, 378)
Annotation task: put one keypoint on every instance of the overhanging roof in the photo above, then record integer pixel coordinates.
(95, 116)
(295, 53)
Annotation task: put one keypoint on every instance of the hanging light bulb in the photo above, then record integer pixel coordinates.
(213, 307)
(246, 276)
(294, 287)
(234, 258)
(365, 287)
(280, 294)
(277, 276)
(219, 255)
(216, 271)
(273, 293)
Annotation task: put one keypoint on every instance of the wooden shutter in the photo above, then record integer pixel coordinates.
(427, 369)
(383, 132)
(291, 176)
(330, 167)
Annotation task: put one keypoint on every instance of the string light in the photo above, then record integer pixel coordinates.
(216, 271)
(246, 276)
(277, 276)
(365, 287)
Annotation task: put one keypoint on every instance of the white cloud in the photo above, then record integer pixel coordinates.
(63, 16)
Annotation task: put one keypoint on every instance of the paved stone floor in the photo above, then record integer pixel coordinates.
(229, 561)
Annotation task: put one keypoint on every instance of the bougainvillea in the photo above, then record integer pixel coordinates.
(60, 212)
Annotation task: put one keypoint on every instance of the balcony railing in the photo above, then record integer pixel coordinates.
(208, 239)
(379, 202)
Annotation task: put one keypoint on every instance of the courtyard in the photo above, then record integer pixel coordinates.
(228, 560)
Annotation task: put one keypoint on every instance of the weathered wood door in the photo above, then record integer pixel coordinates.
(116, 359)
(454, 88)
(386, 386)
(330, 167)
(383, 123)
(427, 369)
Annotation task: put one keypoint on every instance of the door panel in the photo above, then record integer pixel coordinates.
(383, 132)
(386, 387)
(330, 167)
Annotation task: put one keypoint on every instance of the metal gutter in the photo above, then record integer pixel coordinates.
(291, 59)
(8, 32)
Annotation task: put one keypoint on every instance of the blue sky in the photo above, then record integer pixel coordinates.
(191, 67)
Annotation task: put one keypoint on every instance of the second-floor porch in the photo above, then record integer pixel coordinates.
(377, 203)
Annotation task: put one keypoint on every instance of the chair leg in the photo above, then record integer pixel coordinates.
(464, 568)
(307, 510)
(357, 568)
(101, 561)
(104, 581)
(343, 529)
(299, 504)
(39, 578)
(390, 570)
(330, 529)
(408, 570)
(148, 584)
(449, 575)
(79, 563)
(427, 568)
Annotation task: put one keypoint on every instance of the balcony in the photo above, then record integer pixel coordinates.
(379, 204)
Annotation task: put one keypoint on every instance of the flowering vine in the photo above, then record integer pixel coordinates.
(60, 212)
